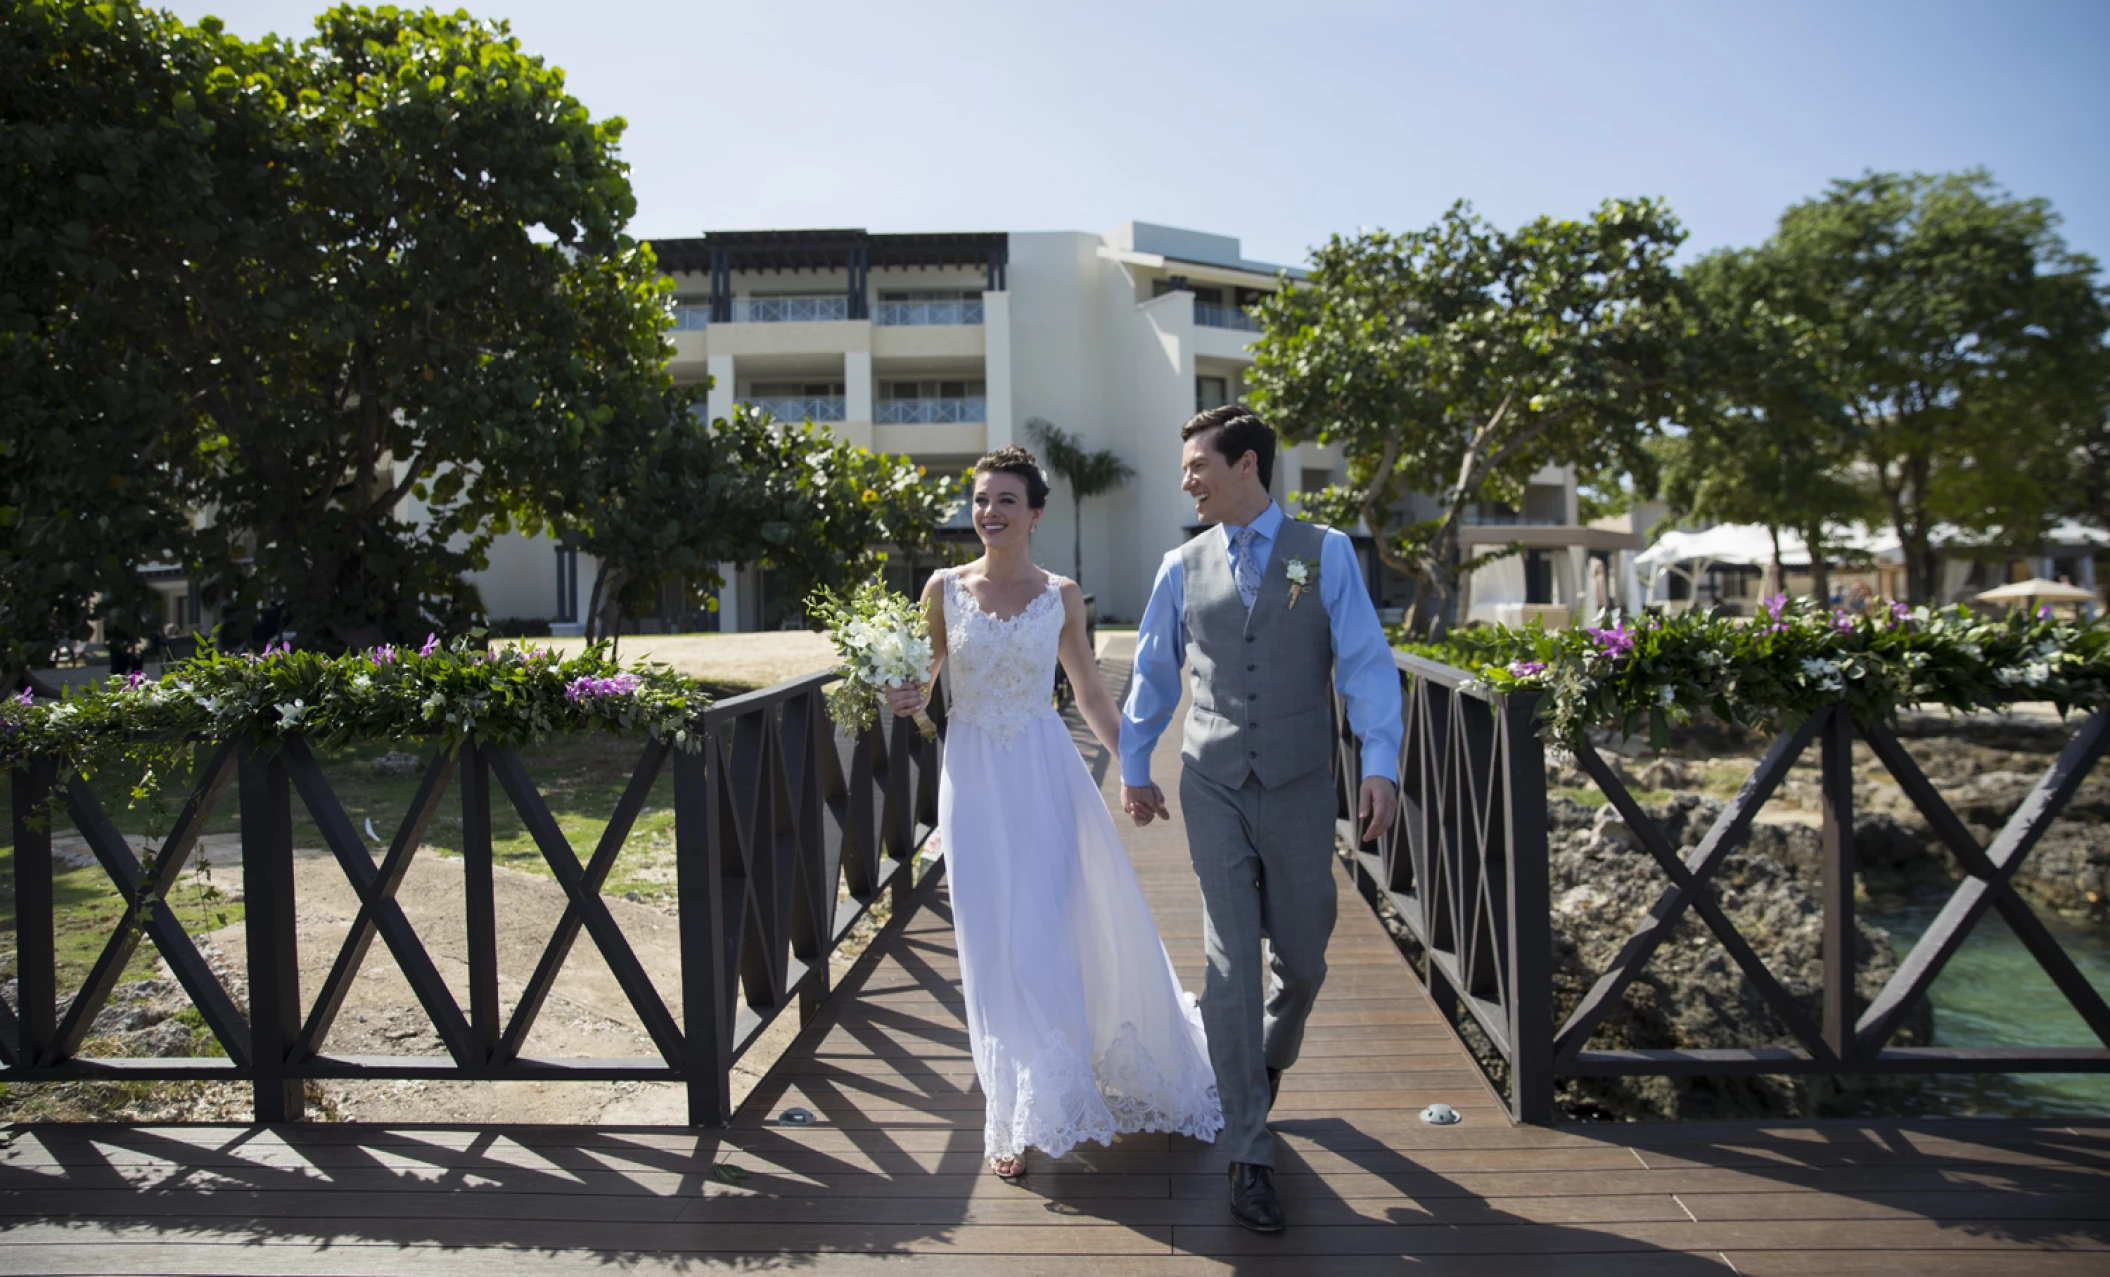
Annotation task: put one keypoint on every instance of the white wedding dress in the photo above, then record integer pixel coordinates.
(1079, 1027)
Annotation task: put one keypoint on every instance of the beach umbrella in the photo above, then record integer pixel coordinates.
(2039, 590)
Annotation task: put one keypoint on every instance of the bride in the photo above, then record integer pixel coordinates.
(1077, 1022)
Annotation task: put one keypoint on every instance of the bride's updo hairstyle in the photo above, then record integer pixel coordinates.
(1014, 460)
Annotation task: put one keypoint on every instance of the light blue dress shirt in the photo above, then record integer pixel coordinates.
(1362, 661)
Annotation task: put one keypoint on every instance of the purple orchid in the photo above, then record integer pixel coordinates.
(432, 644)
(1843, 621)
(2044, 612)
(586, 687)
(134, 680)
(26, 699)
(383, 655)
(1525, 669)
(1614, 641)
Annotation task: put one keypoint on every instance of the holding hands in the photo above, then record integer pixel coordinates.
(1144, 803)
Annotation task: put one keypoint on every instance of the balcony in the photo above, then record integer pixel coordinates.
(931, 412)
(814, 408)
(691, 319)
(1211, 315)
(927, 314)
(790, 310)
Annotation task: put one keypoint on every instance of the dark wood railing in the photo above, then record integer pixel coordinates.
(1466, 868)
(776, 817)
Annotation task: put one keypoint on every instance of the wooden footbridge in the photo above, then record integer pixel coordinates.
(890, 1171)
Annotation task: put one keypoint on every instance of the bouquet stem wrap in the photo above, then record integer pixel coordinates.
(924, 725)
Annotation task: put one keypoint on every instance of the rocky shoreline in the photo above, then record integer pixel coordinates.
(1691, 994)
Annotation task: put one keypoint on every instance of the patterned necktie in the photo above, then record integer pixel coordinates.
(1247, 573)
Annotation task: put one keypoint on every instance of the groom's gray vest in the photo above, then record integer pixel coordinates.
(1263, 681)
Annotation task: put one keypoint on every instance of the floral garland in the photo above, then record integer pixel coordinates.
(503, 696)
(1777, 669)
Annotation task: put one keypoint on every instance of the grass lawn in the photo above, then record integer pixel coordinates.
(729, 662)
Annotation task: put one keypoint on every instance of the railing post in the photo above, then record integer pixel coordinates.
(479, 903)
(268, 925)
(1841, 1005)
(898, 841)
(36, 961)
(706, 1016)
(1530, 920)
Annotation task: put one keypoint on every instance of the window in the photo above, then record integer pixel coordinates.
(1538, 577)
(962, 389)
(1179, 284)
(567, 584)
(794, 389)
(1210, 392)
(1314, 480)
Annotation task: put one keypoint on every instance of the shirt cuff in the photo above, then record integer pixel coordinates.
(1136, 772)
(1383, 771)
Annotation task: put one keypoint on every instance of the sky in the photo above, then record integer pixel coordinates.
(1281, 123)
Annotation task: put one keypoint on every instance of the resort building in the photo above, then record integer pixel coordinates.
(943, 346)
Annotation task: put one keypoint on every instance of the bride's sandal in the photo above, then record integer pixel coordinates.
(1008, 1169)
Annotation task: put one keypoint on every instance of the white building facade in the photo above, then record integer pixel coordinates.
(941, 347)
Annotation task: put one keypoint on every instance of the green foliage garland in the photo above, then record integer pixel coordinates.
(504, 696)
(1777, 669)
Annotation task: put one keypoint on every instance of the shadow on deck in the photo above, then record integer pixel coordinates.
(892, 1171)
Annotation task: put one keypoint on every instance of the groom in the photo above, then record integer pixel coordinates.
(1271, 612)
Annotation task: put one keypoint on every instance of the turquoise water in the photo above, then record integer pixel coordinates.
(1993, 993)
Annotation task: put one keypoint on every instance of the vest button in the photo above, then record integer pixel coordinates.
(1252, 638)
(1251, 668)
(1252, 696)
(1252, 753)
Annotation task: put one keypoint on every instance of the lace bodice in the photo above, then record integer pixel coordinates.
(1002, 670)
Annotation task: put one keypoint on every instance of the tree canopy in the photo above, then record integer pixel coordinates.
(1964, 341)
(370, 295)
(669, 495)
(1458, 360)
(1766, 437)
(114, 124)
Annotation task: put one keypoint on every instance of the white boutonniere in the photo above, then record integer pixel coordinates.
(1301, 573)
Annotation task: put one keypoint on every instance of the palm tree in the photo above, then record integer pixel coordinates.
(1089, 474)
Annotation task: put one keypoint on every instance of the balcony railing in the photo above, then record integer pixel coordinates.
(691, 319)
(925, 314)
(790, 310)
(931, 412)
(819, 408)
(1211, 315)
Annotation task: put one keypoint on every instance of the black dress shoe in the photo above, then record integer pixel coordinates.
(1253, 1201)
(1274, 1086)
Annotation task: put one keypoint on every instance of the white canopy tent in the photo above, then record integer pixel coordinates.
(1692, 554)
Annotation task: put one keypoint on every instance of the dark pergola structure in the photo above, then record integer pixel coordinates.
(720, 253)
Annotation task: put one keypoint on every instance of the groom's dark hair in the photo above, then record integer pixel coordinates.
(1242, 432)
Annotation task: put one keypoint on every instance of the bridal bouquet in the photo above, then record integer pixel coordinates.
(883, 640)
